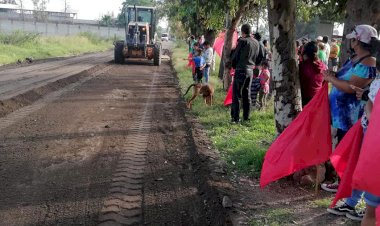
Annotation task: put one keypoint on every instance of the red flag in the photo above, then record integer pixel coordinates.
(345, 158)
(228, 99)
(306, 141)
(366, 176)
(219, 42)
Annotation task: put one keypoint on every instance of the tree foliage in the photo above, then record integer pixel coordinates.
(331, 10)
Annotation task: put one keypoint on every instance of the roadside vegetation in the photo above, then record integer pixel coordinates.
(242, 146)
(20, 45)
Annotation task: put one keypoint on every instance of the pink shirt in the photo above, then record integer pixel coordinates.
(264, 80)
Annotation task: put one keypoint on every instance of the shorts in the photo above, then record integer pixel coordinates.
(371, 200)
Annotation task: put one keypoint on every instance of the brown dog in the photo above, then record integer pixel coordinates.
(206, 90)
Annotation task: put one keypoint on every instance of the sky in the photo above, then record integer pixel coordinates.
(86, 9)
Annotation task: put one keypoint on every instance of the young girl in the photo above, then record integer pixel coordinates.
(264, 82)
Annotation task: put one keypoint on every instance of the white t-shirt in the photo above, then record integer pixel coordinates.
(327, 50)
(208, 55)
(373, 90)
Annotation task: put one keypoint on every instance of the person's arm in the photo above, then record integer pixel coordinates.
(345, 86)
(368, 109)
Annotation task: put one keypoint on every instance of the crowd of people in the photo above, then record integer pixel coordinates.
(354, 88)
(201, 57)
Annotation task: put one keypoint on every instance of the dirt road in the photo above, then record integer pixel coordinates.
(17, 80)
(113, 148)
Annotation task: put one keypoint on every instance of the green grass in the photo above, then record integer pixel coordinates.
(274, 217)
(242, 146)
(321, 203)
(19, 45)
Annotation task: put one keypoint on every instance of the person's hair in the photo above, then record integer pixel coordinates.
(199, 51)
(206, 43)
(373, 47)
(321, 46)
(257, 36)
(265, 42)
(325, 39)
(298, 43)
(192, 37)
(311, 50)
(375, 51)
(265, 64)
(246, 29)
(196, 44)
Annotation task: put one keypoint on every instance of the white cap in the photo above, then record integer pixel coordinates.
(319, 38)
(363, 33)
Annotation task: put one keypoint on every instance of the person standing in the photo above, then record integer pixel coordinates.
(327, 46)
(243, 61)
(334, 55)
(311, 71)
(208, 56)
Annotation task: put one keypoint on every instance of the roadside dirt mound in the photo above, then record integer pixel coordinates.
(10, 105)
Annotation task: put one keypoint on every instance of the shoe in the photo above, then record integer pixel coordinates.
(341, 210)
(356, 215)
(331, 187)
(233, 121)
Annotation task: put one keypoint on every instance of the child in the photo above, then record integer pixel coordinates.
(255, 87)
(264, 82)
(200, 64)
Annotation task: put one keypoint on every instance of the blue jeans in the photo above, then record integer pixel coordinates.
(355, 198)
(206, 74)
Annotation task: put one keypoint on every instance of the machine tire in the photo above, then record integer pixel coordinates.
(119, 58)
(157, 55)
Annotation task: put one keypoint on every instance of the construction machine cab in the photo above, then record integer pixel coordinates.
(140, 40)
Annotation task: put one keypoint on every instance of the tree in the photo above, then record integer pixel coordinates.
(39, 9)
(66, 5)
(106, 20)
(242, 8)
(359, 12)
(287, 94)
(21, 7)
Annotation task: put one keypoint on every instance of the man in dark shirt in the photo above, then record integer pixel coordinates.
(243, 60)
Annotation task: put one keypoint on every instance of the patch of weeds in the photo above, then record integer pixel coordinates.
(321, 203)
(274, 217)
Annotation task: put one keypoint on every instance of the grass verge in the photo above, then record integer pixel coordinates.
(19, 45)
(242, 146)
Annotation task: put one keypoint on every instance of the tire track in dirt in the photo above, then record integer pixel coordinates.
(123, 206)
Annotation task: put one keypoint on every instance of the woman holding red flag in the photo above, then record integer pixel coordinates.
(345, 108)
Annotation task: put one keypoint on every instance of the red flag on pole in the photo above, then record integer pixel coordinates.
(366, 176)
(344, 160)
(305, 142)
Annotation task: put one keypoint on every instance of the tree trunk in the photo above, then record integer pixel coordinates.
(357, 13)
(228, 42)
(287, 94)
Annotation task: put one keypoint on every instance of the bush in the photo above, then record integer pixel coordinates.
(18, 38)
(94, 38)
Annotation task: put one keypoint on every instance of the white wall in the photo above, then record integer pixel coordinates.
(50, 29)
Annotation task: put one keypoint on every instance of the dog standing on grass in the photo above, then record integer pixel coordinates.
(206, 90)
